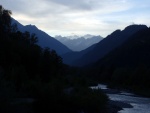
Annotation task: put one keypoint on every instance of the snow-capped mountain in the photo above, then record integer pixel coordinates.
(78, 43)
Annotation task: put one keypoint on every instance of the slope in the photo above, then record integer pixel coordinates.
(69, 57)
(80, 43)
(44, 40)
(108, 44)
(134, 52)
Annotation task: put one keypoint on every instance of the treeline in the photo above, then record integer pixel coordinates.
(131, 79)
(28, 71)
(128, 66)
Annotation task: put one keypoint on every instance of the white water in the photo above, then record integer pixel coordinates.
(140, 104)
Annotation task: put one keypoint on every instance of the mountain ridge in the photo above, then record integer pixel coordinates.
(109, 43)
(79, 43)
(130, 53)
(44, 40)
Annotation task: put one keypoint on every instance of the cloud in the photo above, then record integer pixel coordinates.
(79, 16)
(74, 4)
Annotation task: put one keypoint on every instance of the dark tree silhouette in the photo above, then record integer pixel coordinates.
(27, 70)
(5, 19)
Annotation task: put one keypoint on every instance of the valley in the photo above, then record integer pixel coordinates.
(61, 74)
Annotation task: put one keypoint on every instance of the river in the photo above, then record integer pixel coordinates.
(139, 104)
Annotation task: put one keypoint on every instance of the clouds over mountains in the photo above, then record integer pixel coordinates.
(99, 17)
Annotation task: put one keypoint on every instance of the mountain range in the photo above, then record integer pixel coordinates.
(111, 42)
(128, 65)
(94, 53)
(78, 43)
(44, 40)
(134, 52)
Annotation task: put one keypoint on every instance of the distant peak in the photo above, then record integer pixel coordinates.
(88, 36)
(135, 26)
(33, 26)
(115, 32)
(73, 36)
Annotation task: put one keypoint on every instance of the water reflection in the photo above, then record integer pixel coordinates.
(140, 104)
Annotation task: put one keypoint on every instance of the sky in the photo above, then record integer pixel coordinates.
(80, 17)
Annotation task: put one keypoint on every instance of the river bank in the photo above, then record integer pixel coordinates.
(125, 102)
(115, 106)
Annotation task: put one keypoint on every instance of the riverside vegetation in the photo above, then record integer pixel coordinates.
(28, 71)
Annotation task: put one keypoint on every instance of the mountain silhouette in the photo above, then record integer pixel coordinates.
(134, 52)
(127, 66)
(44, 40)
(108, 44)
(70, 57)
(79, 43)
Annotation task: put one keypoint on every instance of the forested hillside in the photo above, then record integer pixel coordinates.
(44, 40)
(108, 44)
(34, 80)
(128, 66)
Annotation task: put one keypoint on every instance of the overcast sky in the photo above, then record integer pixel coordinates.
(66, 17)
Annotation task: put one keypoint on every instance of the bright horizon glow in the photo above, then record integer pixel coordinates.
(67, 17)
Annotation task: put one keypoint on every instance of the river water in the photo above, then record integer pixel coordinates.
(140, 104)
